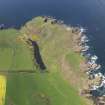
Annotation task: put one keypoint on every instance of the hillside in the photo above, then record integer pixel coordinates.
(25, 82)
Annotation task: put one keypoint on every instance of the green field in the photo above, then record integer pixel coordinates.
(40, 89)
(14, 55)
(48, 88)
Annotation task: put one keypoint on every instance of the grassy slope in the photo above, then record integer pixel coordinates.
(74, 59)
(41, 88)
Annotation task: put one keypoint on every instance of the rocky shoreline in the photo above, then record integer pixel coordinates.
(92, 69)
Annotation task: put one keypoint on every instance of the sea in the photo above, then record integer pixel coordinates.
(89, 14)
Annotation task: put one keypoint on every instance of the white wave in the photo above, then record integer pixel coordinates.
(98, 75)
(98, 67)
(85, 48)
(84, 39)
(94, 58)
(91, 62)
(94, 87)
(94, 70)
(88, 55)
(82, 30)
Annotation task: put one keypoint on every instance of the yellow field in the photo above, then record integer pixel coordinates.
(2, 89)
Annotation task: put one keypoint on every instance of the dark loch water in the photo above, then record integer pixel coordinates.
(87, 13)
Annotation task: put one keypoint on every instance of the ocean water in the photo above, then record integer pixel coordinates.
(89, 14)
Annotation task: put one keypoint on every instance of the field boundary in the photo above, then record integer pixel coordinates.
(18, 71)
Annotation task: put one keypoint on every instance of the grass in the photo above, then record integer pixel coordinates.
(14, 54)
(74, 59)
(38, 88)
(6, 60)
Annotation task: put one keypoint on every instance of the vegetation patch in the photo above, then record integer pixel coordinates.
(74, 59)
(14, 54)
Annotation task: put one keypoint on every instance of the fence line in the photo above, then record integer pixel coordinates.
(18, 71)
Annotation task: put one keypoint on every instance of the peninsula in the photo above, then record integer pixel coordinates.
(41, 64)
